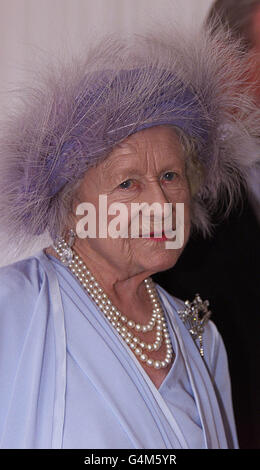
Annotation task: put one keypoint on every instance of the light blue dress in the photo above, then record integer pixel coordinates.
(68, 380)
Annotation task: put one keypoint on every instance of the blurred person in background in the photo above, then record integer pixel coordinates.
(225, 268)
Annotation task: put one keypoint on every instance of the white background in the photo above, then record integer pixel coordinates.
(31, 27)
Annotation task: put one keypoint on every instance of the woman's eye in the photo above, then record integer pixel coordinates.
(169, 176)
(126, 184)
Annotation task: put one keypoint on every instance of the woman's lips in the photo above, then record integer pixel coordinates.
(161, 238)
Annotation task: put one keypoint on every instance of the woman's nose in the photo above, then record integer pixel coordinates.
(156, 207)
(155, 193)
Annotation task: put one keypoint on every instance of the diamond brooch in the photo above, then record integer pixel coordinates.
(194, 317)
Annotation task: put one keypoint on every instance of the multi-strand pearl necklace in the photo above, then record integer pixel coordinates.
(121, 323)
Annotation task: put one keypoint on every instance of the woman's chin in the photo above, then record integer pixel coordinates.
(160, 260)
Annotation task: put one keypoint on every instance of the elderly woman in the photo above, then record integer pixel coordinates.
(93, 354)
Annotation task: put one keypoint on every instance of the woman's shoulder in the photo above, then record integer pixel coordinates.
(23, 276)
(20, 285)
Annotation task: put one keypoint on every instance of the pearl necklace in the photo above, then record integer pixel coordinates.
(120, 322)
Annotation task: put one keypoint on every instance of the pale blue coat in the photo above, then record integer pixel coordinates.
(68, 380)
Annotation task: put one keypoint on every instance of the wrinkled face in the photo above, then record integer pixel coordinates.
(147, 167)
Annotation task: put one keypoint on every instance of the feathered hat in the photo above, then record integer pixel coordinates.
(76, 113)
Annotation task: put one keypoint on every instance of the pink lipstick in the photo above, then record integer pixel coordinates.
(163, 238)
